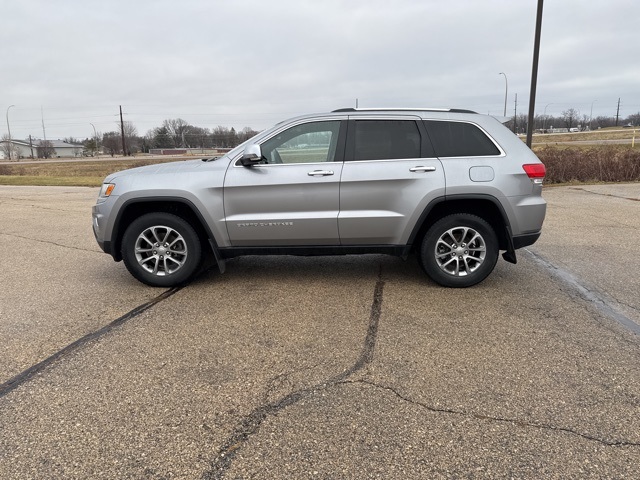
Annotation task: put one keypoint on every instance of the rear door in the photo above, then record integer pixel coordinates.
(389, 177)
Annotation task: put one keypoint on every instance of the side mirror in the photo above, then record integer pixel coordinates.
(252, 155)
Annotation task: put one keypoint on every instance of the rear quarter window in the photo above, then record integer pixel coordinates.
(459, 139)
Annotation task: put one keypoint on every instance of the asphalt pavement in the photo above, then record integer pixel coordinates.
(328, 367)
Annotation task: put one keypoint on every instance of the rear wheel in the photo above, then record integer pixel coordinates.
(459, 250)
(161, 250)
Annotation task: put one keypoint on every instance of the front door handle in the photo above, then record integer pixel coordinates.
(320, 173)
(422, 169)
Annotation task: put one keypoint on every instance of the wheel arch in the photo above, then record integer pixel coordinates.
(483, 206)
(181, 207)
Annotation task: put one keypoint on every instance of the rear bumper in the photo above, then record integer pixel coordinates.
(525, 240)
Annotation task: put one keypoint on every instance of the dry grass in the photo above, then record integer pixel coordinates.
(23, 180)
(82, 174)
(595, 135)
(591, 165)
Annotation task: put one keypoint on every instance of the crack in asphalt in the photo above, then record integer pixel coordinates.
(587, 293)
(607, 194)
(513, 421)
(26, 375)
(20, 202)
(250, 424)
(49, 242)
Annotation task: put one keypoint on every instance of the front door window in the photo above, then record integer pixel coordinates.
(308, 143)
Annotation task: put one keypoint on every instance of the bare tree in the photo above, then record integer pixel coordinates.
(45, 149)
(9, 150)
(585, 123)
(199, 137)
(522, 123)
(633, 119)
(246, 133)
(112, 143)
(178, 129)
(602, 121)
(130, 137)
(224, 137)
(570, 116)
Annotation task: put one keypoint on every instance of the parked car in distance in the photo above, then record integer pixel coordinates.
(451, 185)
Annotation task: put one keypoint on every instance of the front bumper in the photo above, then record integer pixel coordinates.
(99, 221)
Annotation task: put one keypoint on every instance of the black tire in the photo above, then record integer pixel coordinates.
(459, 250)
(161, 250)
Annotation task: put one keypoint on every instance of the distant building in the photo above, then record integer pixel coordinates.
(24, 149)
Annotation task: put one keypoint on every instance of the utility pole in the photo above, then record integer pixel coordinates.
(31, 145)
(534, 74)
(124, 148)
(618, 112)
(44, 134)
(515, 114)
(10, 145)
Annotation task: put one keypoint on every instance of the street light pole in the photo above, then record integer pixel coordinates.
(506, 89)
(544, 120)
(9, 130)
(95, 136)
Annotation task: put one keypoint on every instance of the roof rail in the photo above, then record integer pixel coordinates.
(452, 110)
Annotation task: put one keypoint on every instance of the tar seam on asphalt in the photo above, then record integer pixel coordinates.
(30, 372)
(589, 294)
(250, 424)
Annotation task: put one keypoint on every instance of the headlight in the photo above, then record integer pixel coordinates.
(106, 190)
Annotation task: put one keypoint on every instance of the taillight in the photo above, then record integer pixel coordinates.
(535, 171)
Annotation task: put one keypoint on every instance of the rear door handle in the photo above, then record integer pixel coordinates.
(320, 173)
(422, 169)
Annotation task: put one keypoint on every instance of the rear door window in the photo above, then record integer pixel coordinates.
(386, 140)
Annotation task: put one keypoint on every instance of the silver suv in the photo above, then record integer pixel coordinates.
(453, 186)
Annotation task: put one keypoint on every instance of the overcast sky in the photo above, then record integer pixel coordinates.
(255, 62)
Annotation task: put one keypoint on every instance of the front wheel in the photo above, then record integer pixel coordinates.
(161, 250)
(459, 250)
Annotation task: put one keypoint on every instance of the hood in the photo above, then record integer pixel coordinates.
(166, 168)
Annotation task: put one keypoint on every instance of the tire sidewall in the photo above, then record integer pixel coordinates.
(427, 251)
(194, 249)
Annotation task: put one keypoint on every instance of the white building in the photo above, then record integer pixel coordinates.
(24, 149)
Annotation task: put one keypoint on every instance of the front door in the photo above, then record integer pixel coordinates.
(292, 197)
